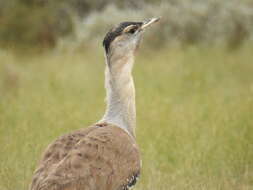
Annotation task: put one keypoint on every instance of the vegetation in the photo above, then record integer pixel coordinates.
(194, 97)
(46, 24)
(194, 109)
(183, 22)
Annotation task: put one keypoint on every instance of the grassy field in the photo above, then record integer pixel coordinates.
(194, 114)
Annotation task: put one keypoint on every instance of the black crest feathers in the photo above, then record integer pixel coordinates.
(114, 32)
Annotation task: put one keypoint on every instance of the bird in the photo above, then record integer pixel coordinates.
(104, 156)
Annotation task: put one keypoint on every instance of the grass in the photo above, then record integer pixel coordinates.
(194, 114)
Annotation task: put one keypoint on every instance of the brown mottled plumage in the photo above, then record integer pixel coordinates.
(96, 158)
(104, 156)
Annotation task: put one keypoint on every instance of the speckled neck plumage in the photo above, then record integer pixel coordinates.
(120, 92)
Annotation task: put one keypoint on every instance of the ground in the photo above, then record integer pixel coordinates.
(194, 113)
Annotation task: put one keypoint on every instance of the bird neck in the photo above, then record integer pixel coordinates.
(120, 93)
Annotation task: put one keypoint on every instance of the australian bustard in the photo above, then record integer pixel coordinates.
(104, 156)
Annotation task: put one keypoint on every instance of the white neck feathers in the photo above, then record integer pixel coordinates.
(120, 93)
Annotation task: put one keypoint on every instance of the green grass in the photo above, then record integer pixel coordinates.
(194, 114)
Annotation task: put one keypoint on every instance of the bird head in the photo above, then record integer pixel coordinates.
(124, 38)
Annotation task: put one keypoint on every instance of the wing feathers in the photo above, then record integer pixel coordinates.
(98, 158)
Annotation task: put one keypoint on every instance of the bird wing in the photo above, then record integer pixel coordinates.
(102, 158)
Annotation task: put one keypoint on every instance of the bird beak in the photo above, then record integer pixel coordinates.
(149, 22)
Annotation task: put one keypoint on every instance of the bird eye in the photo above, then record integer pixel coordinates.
(131, 31)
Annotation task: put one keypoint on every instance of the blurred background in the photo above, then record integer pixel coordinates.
(193, 75)
(77, 23)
